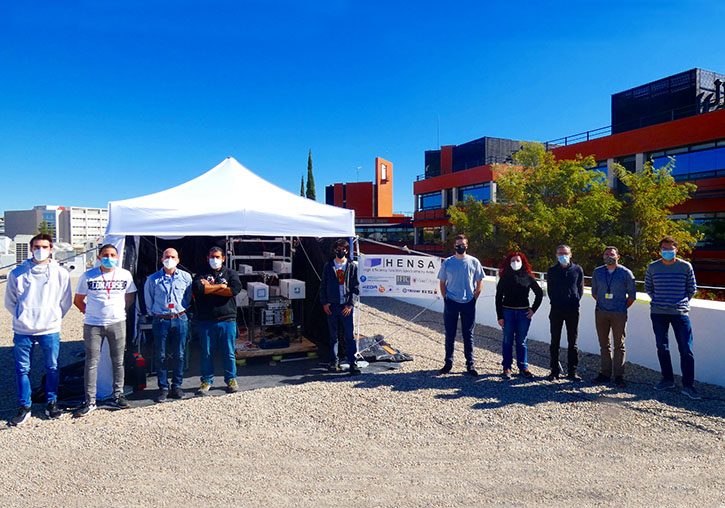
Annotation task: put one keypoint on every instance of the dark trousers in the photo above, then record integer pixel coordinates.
(683, 335)
(347, 326)
(467, 311)
(557, 317)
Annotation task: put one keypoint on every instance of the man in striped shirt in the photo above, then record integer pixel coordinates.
(670, 283)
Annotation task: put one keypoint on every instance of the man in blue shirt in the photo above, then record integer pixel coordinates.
(461, 281)
(614, 291)
(167, 294)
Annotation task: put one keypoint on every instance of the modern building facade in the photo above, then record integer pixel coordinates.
(74, 224)
(682, 116)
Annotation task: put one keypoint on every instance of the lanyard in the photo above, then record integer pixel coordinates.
(107, 285)
(170, 290)
(608, 279)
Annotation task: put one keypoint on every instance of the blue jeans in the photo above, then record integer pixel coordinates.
(683, 334)
(467, 311)
(170, 335)
(22, 352)
(217, 336)
(515, 327)
(347, 326)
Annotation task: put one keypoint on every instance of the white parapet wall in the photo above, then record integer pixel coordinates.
(707, 318)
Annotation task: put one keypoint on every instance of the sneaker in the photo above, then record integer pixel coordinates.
(506, 374)
(552, 376)
(333, 366)
(526, 373)
(203, 389)
(163, 394)
(52, 411)
(573, 376)
(446, 368)
(20, 417)
(85, 408)
(601, 378)
(176, 392)
(665, 384)
(354, 369)
(232, 386)
(471, 371)
(619, 382)
(691, 392)
(120, 402)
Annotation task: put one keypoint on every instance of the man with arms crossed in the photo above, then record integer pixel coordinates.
(461, 282)
(104, 294)
(214, 290)
(167, 294)
(670, 283)
(38, 295)
(614, 291)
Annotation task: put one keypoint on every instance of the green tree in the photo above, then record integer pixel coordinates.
(45, 228)
(541, 203)
(302, 186)
(645, 216)
(310, 178)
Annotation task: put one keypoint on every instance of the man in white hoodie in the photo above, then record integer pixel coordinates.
(38, 295)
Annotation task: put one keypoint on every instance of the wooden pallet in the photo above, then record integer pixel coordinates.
(304, 346)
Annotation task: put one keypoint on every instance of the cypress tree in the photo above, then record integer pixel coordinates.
(310, 179)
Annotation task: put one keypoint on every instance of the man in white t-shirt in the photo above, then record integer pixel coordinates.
(104, 294)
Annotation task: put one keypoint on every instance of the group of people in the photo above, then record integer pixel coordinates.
(38, 295)
(669, 281)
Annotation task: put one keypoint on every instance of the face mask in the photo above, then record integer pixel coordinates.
(563, 259)
(516, 265)
(170, 263)
(460, 249)
(215, 263)
(340, 253)
(109, 262)
(41, 254)
(668, 255)
(610, 260)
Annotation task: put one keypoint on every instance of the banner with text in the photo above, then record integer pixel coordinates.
(391, 275)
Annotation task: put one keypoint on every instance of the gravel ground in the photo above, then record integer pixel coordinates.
(397, 439)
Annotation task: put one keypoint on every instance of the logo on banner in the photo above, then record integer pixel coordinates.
(373, 262)
(402, 280)
(363, 278)
(381, 289)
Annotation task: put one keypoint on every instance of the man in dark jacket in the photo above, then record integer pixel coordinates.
(214, 291)
(565, 287)
(339, 284)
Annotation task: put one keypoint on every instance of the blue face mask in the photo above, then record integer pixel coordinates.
(563, 259)
(668, 255)
(109, 262)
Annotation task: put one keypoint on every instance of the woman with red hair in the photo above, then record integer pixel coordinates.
(514, 311)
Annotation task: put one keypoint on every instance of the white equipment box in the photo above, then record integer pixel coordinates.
(282, 267)
(258, 291)
(292, 289)
(245, 269)
(242, 299)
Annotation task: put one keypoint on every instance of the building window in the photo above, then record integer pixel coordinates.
(430, 201)
(702, 161)
(384, 172)
(430, 236)
(479, 192)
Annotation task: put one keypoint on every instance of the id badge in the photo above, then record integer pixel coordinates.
(170, 306)
(107, 302)
(609, 296)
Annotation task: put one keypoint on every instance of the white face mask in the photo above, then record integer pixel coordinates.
(215, 263)
(516, 265)
(170, 263)
(41, 254)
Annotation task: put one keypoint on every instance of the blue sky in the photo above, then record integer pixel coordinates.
(101, 101)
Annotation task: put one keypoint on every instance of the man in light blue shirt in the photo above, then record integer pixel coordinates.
(167, 294)
(461, 281)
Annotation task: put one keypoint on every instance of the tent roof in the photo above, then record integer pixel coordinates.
(227, 200)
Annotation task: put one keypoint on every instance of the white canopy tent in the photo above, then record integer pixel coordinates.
(226, 200)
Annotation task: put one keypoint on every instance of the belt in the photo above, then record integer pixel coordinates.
(170, 316)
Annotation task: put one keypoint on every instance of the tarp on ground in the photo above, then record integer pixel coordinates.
(227, 200)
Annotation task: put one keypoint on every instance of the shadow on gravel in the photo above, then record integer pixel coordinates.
(495, 392)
